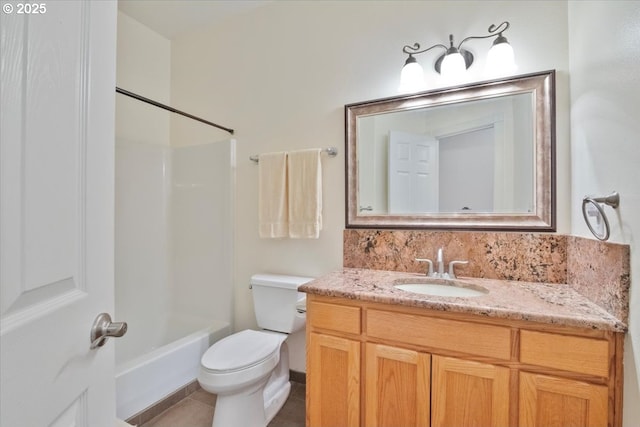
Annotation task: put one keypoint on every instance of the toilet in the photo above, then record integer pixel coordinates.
(249, 370)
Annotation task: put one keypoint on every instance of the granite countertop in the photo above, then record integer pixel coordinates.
(556, 304)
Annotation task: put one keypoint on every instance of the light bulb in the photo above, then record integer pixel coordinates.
(411, 77)
(500, 60)
(453, 68)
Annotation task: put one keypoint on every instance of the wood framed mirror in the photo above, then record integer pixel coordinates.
(477, 156)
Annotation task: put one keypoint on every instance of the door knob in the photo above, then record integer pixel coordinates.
(104, 328)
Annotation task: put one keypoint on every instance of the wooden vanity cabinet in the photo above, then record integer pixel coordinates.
(397, 391)
(410, 388)
(333, 365)
(371, 364)
(558, 402)
(335, 382)
(468, 393)
(550, 400)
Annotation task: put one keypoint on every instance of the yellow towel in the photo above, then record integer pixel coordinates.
(305, 193)
(272, 195)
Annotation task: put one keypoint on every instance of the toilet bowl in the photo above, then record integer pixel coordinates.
(249, 370)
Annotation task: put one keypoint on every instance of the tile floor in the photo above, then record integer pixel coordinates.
(196, 410)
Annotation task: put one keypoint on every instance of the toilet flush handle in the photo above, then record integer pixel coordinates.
(104, 328)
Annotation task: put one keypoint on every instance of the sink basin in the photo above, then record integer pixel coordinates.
(441, 288)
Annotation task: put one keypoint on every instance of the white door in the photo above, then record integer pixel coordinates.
(56, 211)
(413, 173)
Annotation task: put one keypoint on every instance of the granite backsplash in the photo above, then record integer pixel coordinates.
(598, 270)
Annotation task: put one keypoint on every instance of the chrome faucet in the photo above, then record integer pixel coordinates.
(440, 263)
(429, 272)
(440, 273)
(451, 273)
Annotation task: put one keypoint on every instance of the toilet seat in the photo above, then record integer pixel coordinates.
(241, 351)
(243, 359)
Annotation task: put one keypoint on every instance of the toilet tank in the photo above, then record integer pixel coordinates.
(277, 303)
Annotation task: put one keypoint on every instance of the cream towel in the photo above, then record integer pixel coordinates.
(305, 193)
(272, 195)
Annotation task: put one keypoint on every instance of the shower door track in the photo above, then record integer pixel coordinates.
(168, 108)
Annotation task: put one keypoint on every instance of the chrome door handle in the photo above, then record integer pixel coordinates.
(104, 328)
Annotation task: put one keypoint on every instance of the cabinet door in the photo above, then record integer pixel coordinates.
(558, 402)
(333, 381)
(397, 387)
(469, 394)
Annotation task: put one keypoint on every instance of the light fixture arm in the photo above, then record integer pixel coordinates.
(494, 30)
(415, 49)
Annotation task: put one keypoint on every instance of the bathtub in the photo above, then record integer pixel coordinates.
(159, 371)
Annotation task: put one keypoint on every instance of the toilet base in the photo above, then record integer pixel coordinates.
(234, 410)
(273, 406)
(250, 410)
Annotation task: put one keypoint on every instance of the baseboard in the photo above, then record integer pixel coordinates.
(164, 404)
(298, 377)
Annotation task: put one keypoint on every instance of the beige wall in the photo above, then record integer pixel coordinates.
(281, 75)
(143, 67)
(605, 142)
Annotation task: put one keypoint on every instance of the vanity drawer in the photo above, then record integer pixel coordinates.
(465, 337)
(569, 353)
(335, 317)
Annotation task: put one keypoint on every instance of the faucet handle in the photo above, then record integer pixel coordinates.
(452, 264)
(430, 268)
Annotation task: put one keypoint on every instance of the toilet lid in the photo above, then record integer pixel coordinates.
(241, 350)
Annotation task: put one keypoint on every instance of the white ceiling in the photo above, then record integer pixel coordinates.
(171, 18)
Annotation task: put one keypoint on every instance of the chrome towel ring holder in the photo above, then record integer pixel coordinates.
(601, 229)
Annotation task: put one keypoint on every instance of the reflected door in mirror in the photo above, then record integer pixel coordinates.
(413, 173)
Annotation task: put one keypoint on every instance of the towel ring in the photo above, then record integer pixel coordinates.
(603, 230)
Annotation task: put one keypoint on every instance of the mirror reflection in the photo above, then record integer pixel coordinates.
(474, 156)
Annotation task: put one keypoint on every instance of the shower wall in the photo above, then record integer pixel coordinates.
(142, 252)
(202, 229)
(174, 241)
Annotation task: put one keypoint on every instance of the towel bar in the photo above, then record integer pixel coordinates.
(331, 151)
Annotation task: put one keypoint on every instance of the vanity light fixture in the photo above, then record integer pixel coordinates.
(452, 65)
